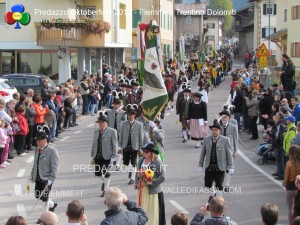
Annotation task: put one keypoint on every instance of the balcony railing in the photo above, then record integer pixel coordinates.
(72, 38)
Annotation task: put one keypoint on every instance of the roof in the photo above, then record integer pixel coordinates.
(24, 75)
(278, 34)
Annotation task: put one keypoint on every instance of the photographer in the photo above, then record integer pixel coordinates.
(216, 207)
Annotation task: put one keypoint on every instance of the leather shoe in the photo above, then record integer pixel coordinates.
(52, 208)
(274, 174)
(102, 187)
(197, 146)
(131, 181)
(226, 189)
(103, 194)
(184, 141)
(278, 178)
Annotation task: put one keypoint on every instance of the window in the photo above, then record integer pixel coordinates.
(210, 25)
(122, 16)
(6, 85)
(90, 12)
(295, 12)
(2, 11)
(168, 22)
(136, 17)
(210, 37)
(285, 15)
(269, 9)
(295, 50)
(267, 31)
(16, 81)
(188, 20)
(32, 81)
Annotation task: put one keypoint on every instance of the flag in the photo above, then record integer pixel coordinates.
(181, 53)
(160, 150)
(140, 71)
(154, 91)
(141, 29)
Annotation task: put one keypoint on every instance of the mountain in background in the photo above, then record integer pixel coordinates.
(238, 4)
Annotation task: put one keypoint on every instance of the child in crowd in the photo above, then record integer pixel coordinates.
(93, 101)
(3, 139)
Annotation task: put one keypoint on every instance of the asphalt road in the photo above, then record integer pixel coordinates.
(251, 186)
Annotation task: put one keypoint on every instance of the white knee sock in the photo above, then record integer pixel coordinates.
(227, 180)
(184, 134)
(49, 204)
(107, 182)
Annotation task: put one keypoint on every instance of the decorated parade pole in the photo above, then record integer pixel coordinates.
(154, 91)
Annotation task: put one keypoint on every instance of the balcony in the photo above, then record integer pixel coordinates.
(243, 24)
(71, 38)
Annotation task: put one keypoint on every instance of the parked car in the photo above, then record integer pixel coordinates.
(6, 90)
(25, 81)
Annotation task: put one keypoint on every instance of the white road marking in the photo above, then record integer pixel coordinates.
(90, 125)
(18, 189)
(247, 160)
(21, 172)
(172, 109)
(65, 138)
(179, 207)
(77, 132)
(30, 160)
(167, 114)
(21, 210)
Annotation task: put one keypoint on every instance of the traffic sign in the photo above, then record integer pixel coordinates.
(263, 51)
(263, 62)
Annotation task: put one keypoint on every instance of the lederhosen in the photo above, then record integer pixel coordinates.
(129, 154)
(101, 164)
(184, 116)
(212, 172)
(40, 184)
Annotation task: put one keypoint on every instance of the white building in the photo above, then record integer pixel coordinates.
(34, 48)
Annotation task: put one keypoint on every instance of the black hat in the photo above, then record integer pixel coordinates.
(135, 83)
(197, 94)
(225, 113)
(102, 118)
(123, 84)
(116, 101)
(187, 90)
(150, 147)
(41, 135)
(131, 109)
(215, 124)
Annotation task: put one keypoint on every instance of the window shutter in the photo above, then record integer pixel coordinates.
(265, 9)
(263, 32)
(275, 9)
(298, 50)
(213, 25)
(136, 18)
(274, 30)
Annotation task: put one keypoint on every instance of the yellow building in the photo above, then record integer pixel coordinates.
(293, 44)
(34, 48)
(162, 12)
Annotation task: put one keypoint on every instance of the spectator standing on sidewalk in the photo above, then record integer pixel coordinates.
(253, 113)
(289, 136)
(291, 171)
(296, 140)
(296, 108)
(277, 135)
(265, 107)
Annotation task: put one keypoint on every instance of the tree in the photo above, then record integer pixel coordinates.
(223, 5)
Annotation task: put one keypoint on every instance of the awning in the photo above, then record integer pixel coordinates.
(276, 36)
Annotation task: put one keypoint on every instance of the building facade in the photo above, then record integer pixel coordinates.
(264, 23)
(200, 31)
(160, 11)
(244, 26)
(34, 48)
